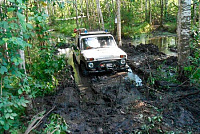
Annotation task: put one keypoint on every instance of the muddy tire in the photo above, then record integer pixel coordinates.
(83, 70)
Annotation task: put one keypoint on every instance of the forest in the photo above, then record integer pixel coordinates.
(42, 91)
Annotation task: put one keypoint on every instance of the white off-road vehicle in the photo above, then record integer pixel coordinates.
(98, 52)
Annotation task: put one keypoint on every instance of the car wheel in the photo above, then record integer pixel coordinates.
(83, 70)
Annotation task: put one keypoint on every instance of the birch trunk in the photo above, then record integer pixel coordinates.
(100, 14)
(119, 23)
(77, 23)
(88, 15)
(146, 16)
(183, 32)
(81, 13)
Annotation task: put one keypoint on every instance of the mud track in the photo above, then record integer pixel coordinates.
(112, 103)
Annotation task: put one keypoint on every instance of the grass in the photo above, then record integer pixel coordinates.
(128, 31)
(171, 27)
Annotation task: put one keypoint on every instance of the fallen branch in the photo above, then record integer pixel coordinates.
(182, 96)
(37, 121)
(175, 98)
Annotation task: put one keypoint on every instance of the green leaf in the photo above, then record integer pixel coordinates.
(11, 19)
(14, 114)
(22, 20)
(149, 119)
(26, 36)
(11, 1)
(19, 91)
(2, 42)
(6, 126)
(2, 121)
(29, 26)
(10, 9)
(7, 115)
(11, 117)
(5, 39)
(3, 70)
(9, 110)
(14, 26)
(188, 68)
(24, 104)
(19, 1)
(4, 24)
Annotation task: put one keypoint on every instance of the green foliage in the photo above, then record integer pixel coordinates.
(17, 34)
(57, 125)
(65, 27)
(153, 125)
(43, 70)
(11, 107)
(14, 82)
(134, 30)
(193, 71)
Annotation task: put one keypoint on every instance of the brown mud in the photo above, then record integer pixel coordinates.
(112, 103)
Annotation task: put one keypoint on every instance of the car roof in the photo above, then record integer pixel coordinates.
(93, 33)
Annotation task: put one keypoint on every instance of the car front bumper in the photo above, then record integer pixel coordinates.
(106, 66)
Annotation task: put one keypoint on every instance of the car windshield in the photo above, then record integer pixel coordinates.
(97, 42)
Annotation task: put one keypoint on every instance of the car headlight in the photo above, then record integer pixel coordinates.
(123, 61)
(90, 65)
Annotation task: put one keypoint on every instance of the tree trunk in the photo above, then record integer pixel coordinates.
(88, 15)
(161, 13)
(77, 24)
(165, 12)
(81, 1)
(119, 23)
(100, 14)
(194, 12)
(94, 15)
(146, 16)
(150, 20)
(199, 15)
(183, 32)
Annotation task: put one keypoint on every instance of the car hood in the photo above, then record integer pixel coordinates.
(103, 53)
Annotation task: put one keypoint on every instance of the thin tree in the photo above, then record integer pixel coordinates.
(161, 13)
(150, 17)
(119, 23)
(194, 11)
(77, 23)
(165, 11)
(183, 32)
(100, 14)
(146, 16)
(88, 15)
(199, 15)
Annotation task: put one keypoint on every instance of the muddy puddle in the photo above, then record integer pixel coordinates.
(166, 42)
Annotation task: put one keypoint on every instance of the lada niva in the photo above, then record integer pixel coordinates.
(97, 51)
